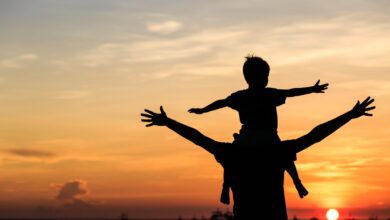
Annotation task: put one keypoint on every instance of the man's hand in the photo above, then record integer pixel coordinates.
(159, 119)
(317, 88)
(361, 109)
(196, 110)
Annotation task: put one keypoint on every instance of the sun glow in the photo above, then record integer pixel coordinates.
(332, 214)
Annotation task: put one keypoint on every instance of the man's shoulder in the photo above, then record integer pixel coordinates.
(223, 147)
(223, 152)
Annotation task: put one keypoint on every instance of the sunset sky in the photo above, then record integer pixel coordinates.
(75, 75)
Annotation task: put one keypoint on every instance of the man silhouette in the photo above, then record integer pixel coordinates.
(265, 195)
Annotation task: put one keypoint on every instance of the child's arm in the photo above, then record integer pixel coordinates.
(213, 106)
(317, 88)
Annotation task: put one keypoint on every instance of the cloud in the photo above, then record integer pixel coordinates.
(70, 194)
(160, 53)
(309, 166)
(17, 62)
(209, 51)
(31, 153)
(375, 87)
(361, 44)
(70, 191)
(166, 27)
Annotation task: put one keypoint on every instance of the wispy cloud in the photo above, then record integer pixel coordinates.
(288, 45)
(375, 87)
(17, 62)
(31, 153)
(325, 171)
(332, 174)
(157, 49)
(168, 56)
(361, 44)
(165, 27)
(309, 166)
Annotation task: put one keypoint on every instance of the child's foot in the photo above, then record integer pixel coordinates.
(302, 191)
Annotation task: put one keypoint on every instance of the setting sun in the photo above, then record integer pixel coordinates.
(332, 214)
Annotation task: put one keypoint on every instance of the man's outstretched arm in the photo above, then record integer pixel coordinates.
(191, 134)
(324, 130)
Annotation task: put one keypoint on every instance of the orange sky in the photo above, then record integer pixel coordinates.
(75, 75)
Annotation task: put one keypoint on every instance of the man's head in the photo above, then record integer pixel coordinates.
(256, 72)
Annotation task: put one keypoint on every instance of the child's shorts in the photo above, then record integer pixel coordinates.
(255, 138)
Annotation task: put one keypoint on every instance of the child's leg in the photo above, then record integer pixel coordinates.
(292, 171)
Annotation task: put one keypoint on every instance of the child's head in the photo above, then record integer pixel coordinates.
(256, 71)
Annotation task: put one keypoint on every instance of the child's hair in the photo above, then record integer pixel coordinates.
(254, 69)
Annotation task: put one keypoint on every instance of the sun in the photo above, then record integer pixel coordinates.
(332, 214)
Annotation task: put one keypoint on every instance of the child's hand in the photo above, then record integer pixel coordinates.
(196, 110)
(317, 88)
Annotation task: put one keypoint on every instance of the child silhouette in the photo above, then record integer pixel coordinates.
(257, 111)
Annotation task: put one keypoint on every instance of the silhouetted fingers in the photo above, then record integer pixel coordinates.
(146, 115)
(370, 108)
(148, 125)
(162, 110)
(317, 83)
(146, 120)
(370, 101)
(368, 114)
(150, 112)
(366, 100)
(357, 104)
(366, 103)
